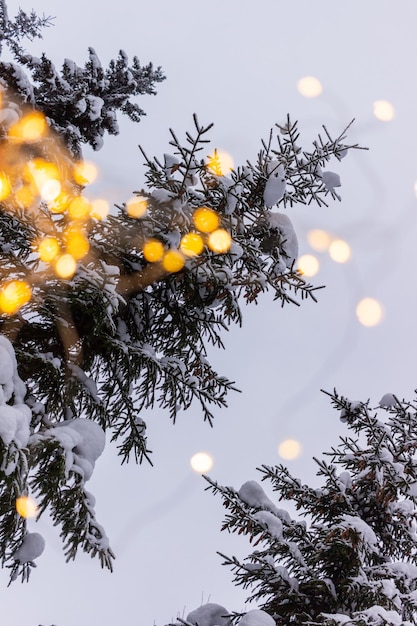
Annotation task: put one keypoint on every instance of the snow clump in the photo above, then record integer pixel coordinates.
(275, 184)
(31, 547)
(209, 614)
(256, 617)
(14, 418)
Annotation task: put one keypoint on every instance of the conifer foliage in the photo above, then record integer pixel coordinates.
(85, 351)
(353, 558)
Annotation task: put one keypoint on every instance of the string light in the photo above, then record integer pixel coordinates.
(384, 110)
(220, 163)
(206, 220)
(48, 249)
(137, 207)
(289, 449)
(85, 173)
(309, 87)
(99, 209)
(369, 312)
(219, 241)
(319, 240)
(32, 127)
(339, 251)
(65, 266)
(13, 295)
(201, 462)
(192, 244)
(153, 250)
(173, 261)
(26, 506)
(308, 264)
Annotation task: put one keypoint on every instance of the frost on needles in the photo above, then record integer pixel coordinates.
(88, 353)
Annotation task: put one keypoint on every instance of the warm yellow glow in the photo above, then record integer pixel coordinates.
(192, 244)
(309, 87)
(85, 173)
(26, 507)
(219, 241)
(339, 251)
(173, 261)
(65, 266)
(319, 240)
(205, 219)
(5, 188)
(60, 203)
(308, 264)
(31, 127)
(369, 312)
(14, 295)
(79, 208)
(48, 249)
(24, 196)
(384, 110)
(50, 190)
(289, 449)
(137, 207)
(77, 244)
(220, 163)
(99, 209)
(201, 462)
(42, 172)
(153, 250)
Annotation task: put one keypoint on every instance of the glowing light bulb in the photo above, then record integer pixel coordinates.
(192, 244)
(205, 219)
(201, 462)
(384, 110)
(219, 241)
(13, 295)
(48, 249)
(369, 312)
(220, 163)
(308, 264)
(77, 244)
(319, 240)
(289, 449)
(173, 261)
(309, 87)
(85, 173)
(31, 127)
(65, 266)
(99, 209)
(339, 251)
(79, 208)
(137, 207)
(26, 506)
(50, 190)
(153, 250)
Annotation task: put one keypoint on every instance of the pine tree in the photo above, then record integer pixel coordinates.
(351, 556)
(102, 318)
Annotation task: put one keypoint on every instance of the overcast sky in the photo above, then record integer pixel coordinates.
(237, 64)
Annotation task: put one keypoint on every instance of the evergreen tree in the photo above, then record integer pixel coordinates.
(353, 558)
(102, 318)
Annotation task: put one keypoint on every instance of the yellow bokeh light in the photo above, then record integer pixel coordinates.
(384, 110)
(24, 196)
(5, 187)
(48, 249)
(13, 295)
(31, 127)
(308, 264)
(65, 266)
(220, 163)
(319, 240)
(289, 449)
(369, 312)
(339, 251)
(79, 208)
(137, 207)
(309, 87)
(219, 241)
(153, 250)
(60, 203)
(77, 244)
(85, 173)
(99, 209)
(42, 172)
(26, 506)
(201, 462)
(205, 219)
(50, 190)
(173, 261)
(192, 244)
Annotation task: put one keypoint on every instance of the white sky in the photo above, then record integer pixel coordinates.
(236, 63)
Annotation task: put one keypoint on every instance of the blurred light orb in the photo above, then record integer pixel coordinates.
(173, 261)
(50, 190)
(85, 173)
(26, 506)
(369, 312)
(77, 244)
(79, 208)
(220, 163)
(99, 209)
(339, 251)
(60, 203)
(192, 244)
(384, 110)
(206, 220)
(415, 189)
(5, 187)
(219, 241)
(319, 240)
(65, 266)
(48, 249)
(13, 295)
(309, 87)
(31, 127)
(201, 462)
(289, 449)
(153, 250)
(137, 207)
(308, 264)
